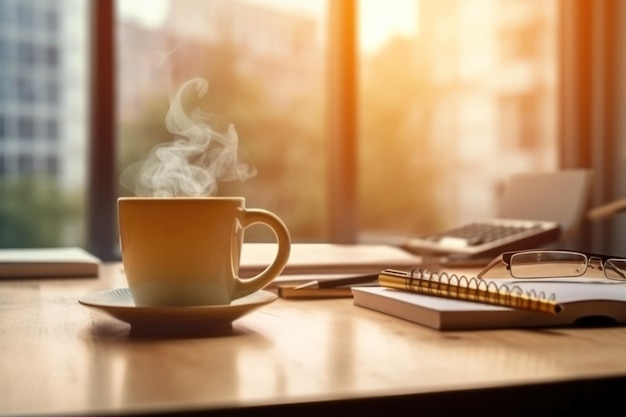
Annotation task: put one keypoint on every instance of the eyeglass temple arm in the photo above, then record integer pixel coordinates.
(498, 259)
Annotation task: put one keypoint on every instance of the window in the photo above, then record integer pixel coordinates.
(26, 164)
(52, 130)
(265, 71)
(26, 53)
(4, 50)
(26, 128)
(415, 118)
(25, 14)
(25, 89)
(52, 21)
(52, 165)
(43, 134)
(450, 98)
(51, 56)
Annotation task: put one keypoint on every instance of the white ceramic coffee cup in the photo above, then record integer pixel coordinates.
(185, 251)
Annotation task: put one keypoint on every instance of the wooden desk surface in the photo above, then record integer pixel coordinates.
(58, 357)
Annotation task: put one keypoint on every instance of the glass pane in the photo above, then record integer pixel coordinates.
(546, 264)
(615, 269)
(457, 97)
(263, 63)
(454, 97)
(43, 122)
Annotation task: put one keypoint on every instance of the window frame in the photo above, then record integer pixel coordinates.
(101, 196)
(590, 132)
(591, 135)
(341, 122)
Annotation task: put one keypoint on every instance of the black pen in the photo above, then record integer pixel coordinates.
(340, 282)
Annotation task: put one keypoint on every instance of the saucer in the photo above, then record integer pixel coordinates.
(119, 303)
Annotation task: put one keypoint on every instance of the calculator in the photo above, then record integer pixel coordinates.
(486, 238)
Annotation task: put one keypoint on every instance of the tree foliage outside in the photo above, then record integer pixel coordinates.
(281, 137)
(286, 140)
(399, 165)
(34, 212)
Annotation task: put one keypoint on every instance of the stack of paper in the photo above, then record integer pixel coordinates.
(317, 258)
(320, 261)
(48, 263)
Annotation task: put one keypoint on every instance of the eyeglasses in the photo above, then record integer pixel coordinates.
(532, 264)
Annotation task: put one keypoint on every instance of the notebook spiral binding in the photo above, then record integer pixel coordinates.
(474, 289)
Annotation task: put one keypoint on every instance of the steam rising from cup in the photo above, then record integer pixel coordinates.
(195, 160)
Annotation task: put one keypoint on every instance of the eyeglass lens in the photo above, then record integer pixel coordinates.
(615, 269)
(552, 264)
(548, 264)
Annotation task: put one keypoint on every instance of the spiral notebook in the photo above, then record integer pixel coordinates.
(448, 302)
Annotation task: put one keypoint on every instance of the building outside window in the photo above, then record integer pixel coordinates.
(43, 134)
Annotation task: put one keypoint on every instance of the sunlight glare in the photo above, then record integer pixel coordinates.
(381, 20)
(378, 20)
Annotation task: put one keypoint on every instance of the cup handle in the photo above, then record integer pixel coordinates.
(249, 285)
